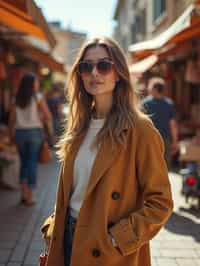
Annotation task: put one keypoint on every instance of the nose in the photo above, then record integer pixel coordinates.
(94, 70)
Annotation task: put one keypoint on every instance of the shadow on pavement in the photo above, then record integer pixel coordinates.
(182, 225)
(193, 210)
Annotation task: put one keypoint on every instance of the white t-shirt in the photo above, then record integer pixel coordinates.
(29, 117)
(83, 166)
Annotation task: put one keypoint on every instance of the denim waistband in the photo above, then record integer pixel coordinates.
(71, 221)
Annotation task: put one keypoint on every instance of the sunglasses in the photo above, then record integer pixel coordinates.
(103, 66)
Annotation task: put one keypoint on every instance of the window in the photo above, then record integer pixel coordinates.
(138, 28)
(133, 31)
(159, 8)
(143, 17)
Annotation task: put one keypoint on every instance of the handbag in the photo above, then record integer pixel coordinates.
(46, 231)
(45, 153)
(42, 259)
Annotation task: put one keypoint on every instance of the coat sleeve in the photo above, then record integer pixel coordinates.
(152, 174)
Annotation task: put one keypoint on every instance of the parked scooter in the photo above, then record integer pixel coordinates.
(191, 182)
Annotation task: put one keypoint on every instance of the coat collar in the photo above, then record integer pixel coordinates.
(68, 167)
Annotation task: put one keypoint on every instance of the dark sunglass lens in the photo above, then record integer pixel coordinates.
(85, 67)
(104, 66)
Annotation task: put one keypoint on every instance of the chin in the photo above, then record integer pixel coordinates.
(94, 91)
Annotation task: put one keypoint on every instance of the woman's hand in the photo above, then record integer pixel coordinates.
(112, 240)
(47, 229)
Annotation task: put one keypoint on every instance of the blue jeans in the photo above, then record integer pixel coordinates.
(28, 143)
(70, 224)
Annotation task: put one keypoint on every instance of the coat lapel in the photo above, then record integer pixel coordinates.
(68, 168)
(104, 159)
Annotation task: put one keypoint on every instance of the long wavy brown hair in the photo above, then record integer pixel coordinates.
(125, 107)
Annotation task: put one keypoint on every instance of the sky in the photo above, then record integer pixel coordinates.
(94, 17)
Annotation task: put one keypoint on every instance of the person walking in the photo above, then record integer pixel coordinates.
(55, 104)
(113, 193)
(162, 112)
(25, 124)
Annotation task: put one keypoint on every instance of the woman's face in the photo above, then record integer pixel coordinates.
(98, 79)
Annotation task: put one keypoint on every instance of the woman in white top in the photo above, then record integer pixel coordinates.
(114, 193)
(25, 126)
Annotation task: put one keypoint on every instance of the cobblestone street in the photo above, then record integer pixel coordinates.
(178, 244)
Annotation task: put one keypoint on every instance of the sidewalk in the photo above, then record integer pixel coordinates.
(178, 244)
(20, 239)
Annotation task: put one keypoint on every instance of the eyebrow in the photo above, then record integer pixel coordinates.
(103, 58)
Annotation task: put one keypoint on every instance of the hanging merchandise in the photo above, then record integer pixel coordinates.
(195, 109)
(198, 59)
(10, 58)
(192, 73)
(16, 74)
(6, 100)
(169, 73)
(3, 74)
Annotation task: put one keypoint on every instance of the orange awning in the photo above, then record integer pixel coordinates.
(40, 56)
(175, 50)
(24, 16)
(140, 67)
(45, 59)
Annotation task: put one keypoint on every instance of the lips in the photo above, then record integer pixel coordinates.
(96, 82)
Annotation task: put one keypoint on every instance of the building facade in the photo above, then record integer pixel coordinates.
(68, 43)
(123, 17)
(139, 20)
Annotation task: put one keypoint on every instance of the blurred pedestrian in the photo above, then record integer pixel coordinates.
(162, 112)
(25, 124)
(114, 193)
(55, 104)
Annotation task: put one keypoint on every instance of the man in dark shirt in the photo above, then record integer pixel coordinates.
(162, 112)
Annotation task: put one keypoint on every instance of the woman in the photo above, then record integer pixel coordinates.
(113, 193)
(26, 127)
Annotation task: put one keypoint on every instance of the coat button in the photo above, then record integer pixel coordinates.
(111, 224)
(96, 253)
(115, 195)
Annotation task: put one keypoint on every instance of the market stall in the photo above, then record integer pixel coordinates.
(175, 56)
(21, 26)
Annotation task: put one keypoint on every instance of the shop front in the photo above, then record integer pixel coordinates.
(175, 56)
(20, 21)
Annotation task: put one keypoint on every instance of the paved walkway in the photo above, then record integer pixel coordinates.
(178, 244)
(20, 239)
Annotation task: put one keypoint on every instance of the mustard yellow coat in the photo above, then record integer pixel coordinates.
(128, 192)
